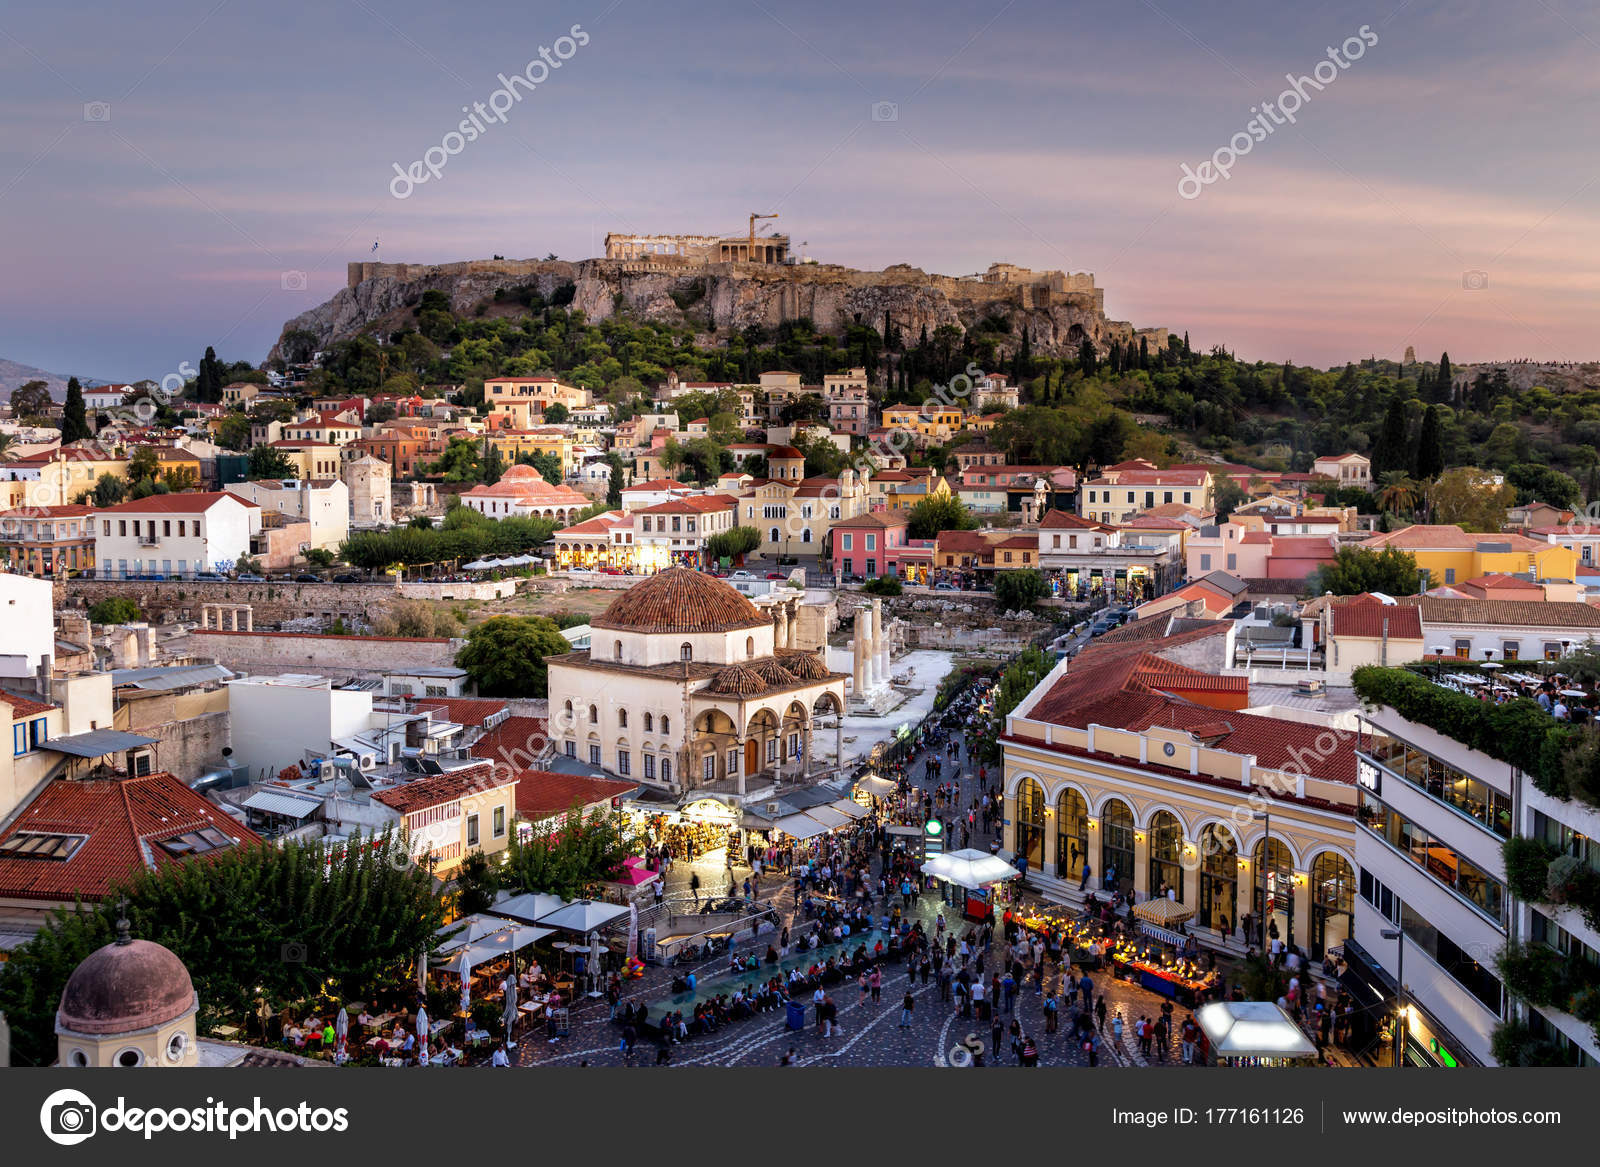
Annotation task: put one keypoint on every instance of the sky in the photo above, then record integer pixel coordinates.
(198, 172)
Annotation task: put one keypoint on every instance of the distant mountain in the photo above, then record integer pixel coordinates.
(13, 375)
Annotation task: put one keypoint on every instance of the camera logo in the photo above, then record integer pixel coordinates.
(97, 111)
(68, 1117)
(885, 111)
(1474, 281)
(293, 952)
(293, 281)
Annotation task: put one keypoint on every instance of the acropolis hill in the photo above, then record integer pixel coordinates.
(1059, 309)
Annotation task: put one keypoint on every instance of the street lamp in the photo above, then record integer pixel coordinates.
(1399, 992)
(1264, 817)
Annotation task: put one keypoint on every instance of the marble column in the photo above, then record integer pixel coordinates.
(780, 622)
(880, 648)
(740, 744)
(858, 652)
(250, 619)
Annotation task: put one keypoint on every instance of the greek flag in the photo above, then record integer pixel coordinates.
(374, 245)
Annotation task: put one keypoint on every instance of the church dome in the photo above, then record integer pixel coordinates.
(681, 599)
(773, 673)
(804, 665)
(124, 987)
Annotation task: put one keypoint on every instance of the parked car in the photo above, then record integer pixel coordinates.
(347, 577)
(210, 576)
(250, 577)
(945, 587)
(307, 577)
(741, 575)
(776, 575)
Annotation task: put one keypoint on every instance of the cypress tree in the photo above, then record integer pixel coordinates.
(1442, 381)
(1430, 446)
(1144, 352)
(1087, 361)
(1392, 451)
(74, 417)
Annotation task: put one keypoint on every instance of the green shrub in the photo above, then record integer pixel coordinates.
(115, 610)
(883, 585)
(1527, 867)
(1515, 1044)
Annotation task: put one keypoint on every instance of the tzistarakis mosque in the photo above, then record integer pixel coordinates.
(688, 684)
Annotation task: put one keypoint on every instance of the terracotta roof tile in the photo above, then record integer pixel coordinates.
(441, 789)
(681, 599)
(543, 794)
(124, 819)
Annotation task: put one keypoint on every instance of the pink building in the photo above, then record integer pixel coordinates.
(875, 544)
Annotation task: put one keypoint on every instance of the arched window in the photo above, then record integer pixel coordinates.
(1072, 835)
(749, 646)
(1219, 879)
(1166, 854)
(1030, 823)
(1116, 847)
(1332, 885)
(569, 710)
(622, 718)
(594, 715)
(686, 651)
(649, 723)
(772, 535)
(1273, 893)
(666, 768)
(666, 726)
(616, 650)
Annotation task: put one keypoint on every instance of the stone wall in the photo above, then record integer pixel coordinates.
(339, 657)
(272, 603)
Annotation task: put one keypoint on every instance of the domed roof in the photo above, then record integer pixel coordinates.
(737, 681)
(773, 673)
(802, 664)
(680, 599)
(126, 986)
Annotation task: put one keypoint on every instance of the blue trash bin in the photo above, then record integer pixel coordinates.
(796, 1015)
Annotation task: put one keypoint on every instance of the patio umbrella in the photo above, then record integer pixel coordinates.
(341, 1025)
(422, 1031)
(1163, 911)
(466, 997)
(969, 868)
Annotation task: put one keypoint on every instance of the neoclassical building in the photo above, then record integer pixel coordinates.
(1150, 771)
(522, 490)
(687, 684)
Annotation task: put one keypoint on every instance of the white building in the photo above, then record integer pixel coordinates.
(105, 397)
(1345, 469)
(29, 638)
(174, 534)
(1433, 817)
(322, 502)
(687, 684)
(1504, 629)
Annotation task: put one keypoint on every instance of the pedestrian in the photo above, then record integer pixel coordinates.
(1116, 1029)
(1051, 1013)
(1100, 1011)
(907, 1006)
(1087, 872)
(694, 886)
(1189, 1034)
(876, 981)
(995, 1032)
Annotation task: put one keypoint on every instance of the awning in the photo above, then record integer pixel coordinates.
(846, 807)
(878, 787)
(829, 817)
(168, 677)
(1253, 1029)
(528, 906)
(1163, 912)
(295, 806)
(799, 826)
(584, 916)
(969, 868)
(95, 743)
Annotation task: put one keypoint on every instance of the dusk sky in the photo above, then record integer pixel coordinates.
(241, 141)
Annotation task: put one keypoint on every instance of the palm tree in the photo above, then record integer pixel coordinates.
(6, 442)
(1399, 494)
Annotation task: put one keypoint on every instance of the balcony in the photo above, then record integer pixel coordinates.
(149, 540)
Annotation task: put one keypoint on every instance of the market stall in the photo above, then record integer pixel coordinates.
(1168, 974)
(975, 873)
(1252, 1033)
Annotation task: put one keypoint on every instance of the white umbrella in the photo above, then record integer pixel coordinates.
(583, 916)
(1252, 1029)
(466, 997)
(341, 1024)
(422, 1030)
(970, 868)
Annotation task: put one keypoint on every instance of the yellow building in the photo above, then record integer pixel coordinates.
(931, 424)
(449, 816)
(794, 518)
(523, 400)
(311, 459)
(511, 442)
(1446, 554)
(57, 477)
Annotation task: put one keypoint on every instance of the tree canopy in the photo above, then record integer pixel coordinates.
(504, 656)
(1355, 570)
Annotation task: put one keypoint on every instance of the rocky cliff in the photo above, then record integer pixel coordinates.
(1059, 310)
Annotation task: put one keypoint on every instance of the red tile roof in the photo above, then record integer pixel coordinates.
(193, 503)
(24, 706)
(124, 819)
(463, 710)
(514, 740)
(681, 599)
(442, 789)
(543, 794)
(1372, 618)
(1067, 521)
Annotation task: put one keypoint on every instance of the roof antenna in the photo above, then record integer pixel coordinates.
(124, 935)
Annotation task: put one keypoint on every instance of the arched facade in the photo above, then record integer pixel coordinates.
(1272, 891)
(1116, 846)
(1030, 824)
(1072, 833)
(1218, 906)
(1166, 853)
(1333, 883)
